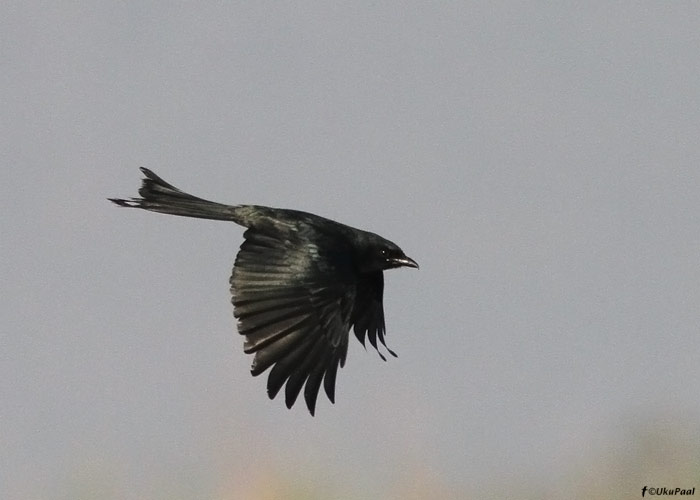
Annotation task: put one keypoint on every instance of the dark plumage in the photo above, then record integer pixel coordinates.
(300, 283)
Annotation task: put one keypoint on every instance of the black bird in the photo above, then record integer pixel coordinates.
(299, 283)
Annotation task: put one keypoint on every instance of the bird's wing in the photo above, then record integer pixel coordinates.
(368, 312)
(294, 313)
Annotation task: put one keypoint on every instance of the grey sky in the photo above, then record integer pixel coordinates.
(540, 161)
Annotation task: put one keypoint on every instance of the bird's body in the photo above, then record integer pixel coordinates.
(299, 284)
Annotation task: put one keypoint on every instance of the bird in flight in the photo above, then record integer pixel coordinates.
(300, 282)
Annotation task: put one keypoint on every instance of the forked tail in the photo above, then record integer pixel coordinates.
(160, 196)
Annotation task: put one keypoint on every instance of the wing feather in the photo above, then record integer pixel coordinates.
(294, 312)
(368, 313)
(314, 357)
(284, 367)
(313, 383)
(329, 378)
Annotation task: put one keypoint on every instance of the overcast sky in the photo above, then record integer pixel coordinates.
(540, 161)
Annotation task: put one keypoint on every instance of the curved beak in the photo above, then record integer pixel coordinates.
(403, 262)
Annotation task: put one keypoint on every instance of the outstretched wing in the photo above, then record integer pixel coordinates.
(294, 312)
(368, 312)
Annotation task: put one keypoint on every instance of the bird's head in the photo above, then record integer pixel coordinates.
(381, 254)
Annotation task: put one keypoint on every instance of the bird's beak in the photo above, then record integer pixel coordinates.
(403, 262)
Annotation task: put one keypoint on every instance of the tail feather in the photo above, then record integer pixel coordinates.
(160, 196)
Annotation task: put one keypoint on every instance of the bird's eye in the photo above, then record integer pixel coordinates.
(383, 252)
